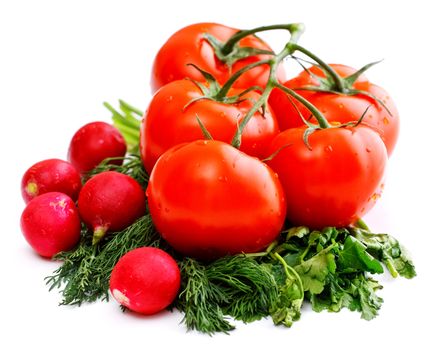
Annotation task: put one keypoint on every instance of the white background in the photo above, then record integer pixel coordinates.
(59, 60)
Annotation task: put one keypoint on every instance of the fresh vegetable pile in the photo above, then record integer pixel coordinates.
(238, 194)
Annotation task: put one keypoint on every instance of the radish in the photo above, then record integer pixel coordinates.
(145, 280)
(50, 223)
(110, 201)
(93, 143)
(50, 175)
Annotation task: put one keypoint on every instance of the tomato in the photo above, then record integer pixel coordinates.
(170, 120)
(188, 45)
(207, 199)
(335, 182)
(339, 107)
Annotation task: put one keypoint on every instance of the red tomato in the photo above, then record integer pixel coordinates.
(208, 199)
(339, 107)
(188, 45)
(335, 182)
(167, 122)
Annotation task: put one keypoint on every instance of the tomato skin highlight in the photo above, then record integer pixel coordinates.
(50, 175)
(337, 181)
(111, 201)
(188, 45)
(339, 107)
(145, 280)
(50, 223)
(208, 199)
(167, 122)
(93, 143)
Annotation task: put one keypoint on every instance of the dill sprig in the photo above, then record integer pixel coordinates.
(85, 272)
(130, 165)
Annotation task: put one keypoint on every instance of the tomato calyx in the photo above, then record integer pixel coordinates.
(236, 53)
(212, 90)
(332, 82)
(322, 123)
(311, 127)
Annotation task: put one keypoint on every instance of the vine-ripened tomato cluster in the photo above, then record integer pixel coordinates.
(233, 155)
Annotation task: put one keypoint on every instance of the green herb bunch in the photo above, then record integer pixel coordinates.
(331, 269)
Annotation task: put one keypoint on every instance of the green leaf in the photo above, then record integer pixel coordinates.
(370, 303)
(388, 250)
(128, 123)
(313, 272)
(354, 257)
(299, 232)
(287, 308)
(357, 292)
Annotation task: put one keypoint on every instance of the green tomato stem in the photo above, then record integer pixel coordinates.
(323, 123)
(296, 30)
(291, 273)
(362, 224)
(227, 86)
(339, 82)
(229, 45)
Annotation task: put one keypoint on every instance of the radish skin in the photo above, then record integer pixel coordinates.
(50, 175)
(145, 280)
(110, 201)
(50, 223)
(93, 143)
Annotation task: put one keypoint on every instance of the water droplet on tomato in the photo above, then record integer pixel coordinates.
(222, 178)
(368, 149)
(169, 98)
(328, 148)
(341, 106)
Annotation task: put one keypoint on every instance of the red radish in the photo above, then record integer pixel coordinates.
(145, 280)
(50, 223)
(93, 143)
(110, 201)
(50, 175)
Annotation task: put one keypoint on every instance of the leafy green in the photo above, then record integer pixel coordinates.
(200, 300)
(287, 309)
(388, 250)
(354, 257)
(355, 292)
(330, 268)
(313, 272)
(127, 120)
